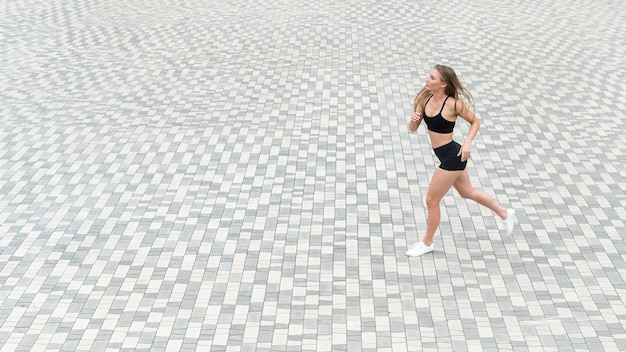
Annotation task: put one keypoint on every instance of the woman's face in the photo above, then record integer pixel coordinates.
(433, 81)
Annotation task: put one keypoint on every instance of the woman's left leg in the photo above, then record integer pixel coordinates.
(440, 183)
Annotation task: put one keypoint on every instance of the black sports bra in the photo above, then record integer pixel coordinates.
(437, 123)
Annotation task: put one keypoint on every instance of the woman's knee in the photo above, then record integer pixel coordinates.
(466, 193)
(432, 202)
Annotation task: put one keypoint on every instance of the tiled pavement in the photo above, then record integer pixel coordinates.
(237, 175)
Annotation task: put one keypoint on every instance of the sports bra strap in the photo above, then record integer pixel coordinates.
(427, 100)
(444, 104)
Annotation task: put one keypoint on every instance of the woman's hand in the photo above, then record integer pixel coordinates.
(465, 152)
(415, 121)
(416, 117)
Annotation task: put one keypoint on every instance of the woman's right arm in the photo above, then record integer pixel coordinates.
(416, 120)
(416, 117)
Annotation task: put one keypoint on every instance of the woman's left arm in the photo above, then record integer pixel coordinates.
(469, 116)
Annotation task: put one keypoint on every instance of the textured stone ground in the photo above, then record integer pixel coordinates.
(237, 176)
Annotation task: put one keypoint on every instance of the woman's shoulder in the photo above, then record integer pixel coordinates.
(454, 103)
(451, 99)
(453, 106)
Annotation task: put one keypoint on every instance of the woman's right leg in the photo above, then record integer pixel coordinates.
(463, 185)
(466, 190)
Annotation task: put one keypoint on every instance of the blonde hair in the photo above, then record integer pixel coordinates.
(454, 88)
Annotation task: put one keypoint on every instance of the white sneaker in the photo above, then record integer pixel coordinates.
(419, 249)
(509, 221)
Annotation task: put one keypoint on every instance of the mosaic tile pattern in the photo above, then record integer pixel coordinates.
(237, 176)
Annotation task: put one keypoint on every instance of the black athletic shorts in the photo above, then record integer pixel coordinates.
(448, 155)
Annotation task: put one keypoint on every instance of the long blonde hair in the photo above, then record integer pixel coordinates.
(454, 88)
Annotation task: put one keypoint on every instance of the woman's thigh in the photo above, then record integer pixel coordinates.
(463, 185)
(441, 182)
